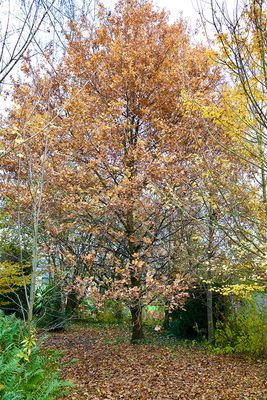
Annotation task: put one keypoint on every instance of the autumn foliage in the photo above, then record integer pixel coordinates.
(117, 160)
(127, 132)
(99, 138)
(133, 188)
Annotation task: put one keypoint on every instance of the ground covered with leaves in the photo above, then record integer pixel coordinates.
(104, 365)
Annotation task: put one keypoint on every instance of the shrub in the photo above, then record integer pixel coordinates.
(25, 372)
(191, 321)
(15, 270)
(243, 332)
(113, 312)
(48, 308)
(153, 315)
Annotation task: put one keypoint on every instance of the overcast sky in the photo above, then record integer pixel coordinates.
(187, 7)
(174, 6)
(177, 6)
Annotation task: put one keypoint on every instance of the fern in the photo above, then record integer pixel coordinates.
(25, 378)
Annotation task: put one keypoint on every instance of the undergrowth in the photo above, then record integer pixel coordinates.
(26, 372)
(243, 332)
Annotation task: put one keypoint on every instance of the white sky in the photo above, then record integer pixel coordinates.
(187, 7)
(174, 6)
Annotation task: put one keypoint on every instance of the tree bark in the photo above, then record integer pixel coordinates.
(211, 235)
(137, 329)
(72, 303)
(210, 316)
(34, 263)
(166, 322)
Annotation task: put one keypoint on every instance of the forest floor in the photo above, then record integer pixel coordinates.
(104, 365)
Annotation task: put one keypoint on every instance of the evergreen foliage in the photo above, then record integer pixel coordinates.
(191, 321)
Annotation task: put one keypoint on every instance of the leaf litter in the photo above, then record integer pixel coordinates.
(107, 367)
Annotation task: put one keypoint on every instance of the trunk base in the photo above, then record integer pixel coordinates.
(137, 329)
(137, 338)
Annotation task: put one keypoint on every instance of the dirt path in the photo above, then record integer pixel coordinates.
(108, 367)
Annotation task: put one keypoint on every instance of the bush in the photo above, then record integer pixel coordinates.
(112, 312)
(48, 308)
(191, 322)
(25, 372)
(15, 270)
(243, 332)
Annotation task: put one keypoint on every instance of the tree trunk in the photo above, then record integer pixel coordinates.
(34, 265)
(212, 220)
(137, 330)
(72, 304)
(210, 316)
(166, 322)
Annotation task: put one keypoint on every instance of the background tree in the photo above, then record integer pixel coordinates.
(241, 47)
(39, 23)
(32, 24)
